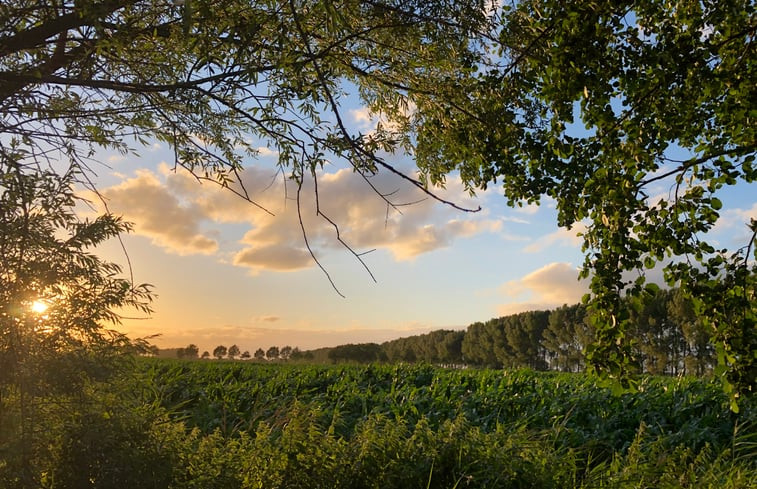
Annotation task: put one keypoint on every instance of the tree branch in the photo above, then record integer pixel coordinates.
(696, 161)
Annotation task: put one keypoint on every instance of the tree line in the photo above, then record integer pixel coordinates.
(666, 337)
(233, 352)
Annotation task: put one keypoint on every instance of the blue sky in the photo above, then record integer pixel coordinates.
(226, 272)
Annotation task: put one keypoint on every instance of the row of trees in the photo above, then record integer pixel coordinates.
(219, 352)
(665, 334)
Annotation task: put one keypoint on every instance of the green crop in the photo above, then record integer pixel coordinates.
(384, 426)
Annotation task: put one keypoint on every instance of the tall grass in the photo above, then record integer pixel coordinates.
(235, 425)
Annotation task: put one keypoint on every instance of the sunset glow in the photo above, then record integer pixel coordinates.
(39, 307)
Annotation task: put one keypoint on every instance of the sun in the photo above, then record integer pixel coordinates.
(39, 307)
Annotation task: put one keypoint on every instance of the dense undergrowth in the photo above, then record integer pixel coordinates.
(406, 426)
(225, 425)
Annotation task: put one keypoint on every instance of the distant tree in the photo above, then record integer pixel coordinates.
(272, 353)
(523, 333)
(296, 354)
(233, 351)
(480, 341)
(440, 346)
(566, 336)
(699, 355)
(449, 347)
(399, 350)
(246, 355)
(357, 353)
(191, 351)
(655, 336)
(286, 352)
(205, 354)
(259, 354)
(219, 352)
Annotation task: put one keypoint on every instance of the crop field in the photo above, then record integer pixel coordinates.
(236, 424)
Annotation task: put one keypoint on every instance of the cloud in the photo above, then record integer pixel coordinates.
(116, 158)
(362, 117)
(548, 287)
(735, 220)
(561, 237)
(367, 121)
(267, 319)
(159, 214)
(516, 220)
(406, 231)
(277, 257)
(171, 207)
(266, 151)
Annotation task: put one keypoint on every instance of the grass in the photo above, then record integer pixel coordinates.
(243, 425)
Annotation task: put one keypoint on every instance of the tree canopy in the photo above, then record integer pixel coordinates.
(212, 78)
(57, 299)
(633, 117)
(597, 105)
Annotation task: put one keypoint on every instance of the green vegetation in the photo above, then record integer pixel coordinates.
(494, 98)
(57, 354)
(79, 410)
(635, 117)
(236, 424)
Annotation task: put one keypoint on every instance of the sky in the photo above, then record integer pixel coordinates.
(226, 272)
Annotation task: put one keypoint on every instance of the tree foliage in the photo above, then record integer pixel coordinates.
(235, 73)
(566, 337)
(666, 337)
(190, 351)
(634, 117)
(220, 351)
(272, 353)
(52, 354)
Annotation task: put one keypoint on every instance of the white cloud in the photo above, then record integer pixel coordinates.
(169, 207)
(561, 237)
(735, 220)
(367, 121)
(528, 209)
(266, 151)
(116, 158)
(548, 287)
(516, 220)
(362, 117)
(159, 214)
